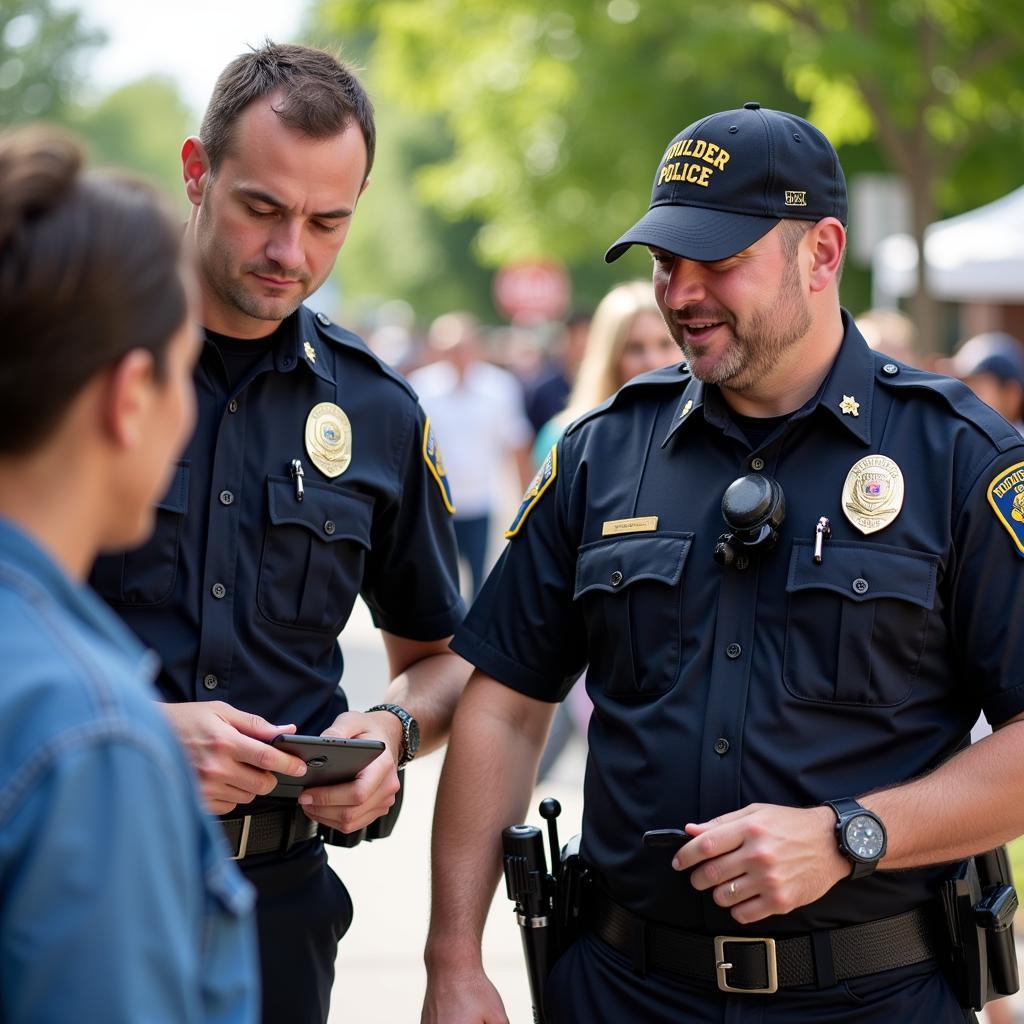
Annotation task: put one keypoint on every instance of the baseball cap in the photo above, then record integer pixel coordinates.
(994, 353)
(729, 178)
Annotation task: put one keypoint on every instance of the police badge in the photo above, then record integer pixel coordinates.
(329, 439)
(873, 493)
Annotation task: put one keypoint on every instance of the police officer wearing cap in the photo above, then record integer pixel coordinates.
(789, 567)
(313, 476)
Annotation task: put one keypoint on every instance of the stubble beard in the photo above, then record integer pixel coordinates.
(757, 347)
(216, 266)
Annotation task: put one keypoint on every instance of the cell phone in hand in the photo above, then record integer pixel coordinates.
(672, 838)
(329, 760)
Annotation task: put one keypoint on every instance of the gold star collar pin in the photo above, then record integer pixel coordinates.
(310, 352)
(850, 406)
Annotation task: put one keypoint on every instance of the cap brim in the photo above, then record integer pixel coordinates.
(693, 232)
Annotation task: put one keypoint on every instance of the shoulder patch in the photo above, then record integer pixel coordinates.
(538, 485)
(432, 457)
(1006, 496)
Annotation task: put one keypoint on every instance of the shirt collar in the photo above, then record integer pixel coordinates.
(22, 556)
(846, 392)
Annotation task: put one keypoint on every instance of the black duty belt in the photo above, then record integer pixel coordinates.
(270, 832)
(742, 963)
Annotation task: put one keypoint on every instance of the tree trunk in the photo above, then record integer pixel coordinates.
(924, 309)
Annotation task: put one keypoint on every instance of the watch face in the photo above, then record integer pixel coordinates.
(865, 837)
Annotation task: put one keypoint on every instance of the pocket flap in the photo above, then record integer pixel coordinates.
(176, 498)
(864, 572)
(328, 512)
(613, 565)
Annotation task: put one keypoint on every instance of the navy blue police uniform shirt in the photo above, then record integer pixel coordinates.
(243, 589)
(780, 681)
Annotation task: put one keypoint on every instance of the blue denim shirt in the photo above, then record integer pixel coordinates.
(116, 900)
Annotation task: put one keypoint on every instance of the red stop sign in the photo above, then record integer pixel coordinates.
(533, 292)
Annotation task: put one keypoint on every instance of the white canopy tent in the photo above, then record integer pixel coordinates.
(976, 257)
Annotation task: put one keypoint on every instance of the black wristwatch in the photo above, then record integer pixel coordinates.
(410, 731)
(861, 835)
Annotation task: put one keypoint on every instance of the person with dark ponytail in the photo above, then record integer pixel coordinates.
(116, 903)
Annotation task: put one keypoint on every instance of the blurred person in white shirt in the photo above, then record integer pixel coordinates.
(476, 409)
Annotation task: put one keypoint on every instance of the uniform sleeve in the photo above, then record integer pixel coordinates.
(525, 629)
(411, 585)
(987, 593)
(104, 910)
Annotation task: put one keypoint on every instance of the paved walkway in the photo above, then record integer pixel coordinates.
(380, 976)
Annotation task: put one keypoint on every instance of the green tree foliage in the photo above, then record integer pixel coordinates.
(140, 127)
(41, 46)
(558, 112)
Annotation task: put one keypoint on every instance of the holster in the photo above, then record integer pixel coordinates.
(379, 829)
(979, 901)
(573, 879)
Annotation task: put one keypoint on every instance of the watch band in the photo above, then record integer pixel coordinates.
(410, 731)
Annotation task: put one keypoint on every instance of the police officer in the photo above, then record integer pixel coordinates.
(312, 477)
(795, 687)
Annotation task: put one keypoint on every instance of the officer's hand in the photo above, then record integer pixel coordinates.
(350, 806)
(461, 997)
(764, 859)
(231, 752)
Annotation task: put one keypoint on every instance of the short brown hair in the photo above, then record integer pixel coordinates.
(90, 269)
(320, 96)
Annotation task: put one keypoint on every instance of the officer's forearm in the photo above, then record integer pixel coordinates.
(427, 680)
(486, 783)
(967, 805)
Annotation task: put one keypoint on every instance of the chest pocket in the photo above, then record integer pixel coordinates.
(313, 553)
(630, 593)
(856, 624)
(146, 575)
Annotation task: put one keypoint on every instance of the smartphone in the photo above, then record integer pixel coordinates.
(329, 760)
(670, 837)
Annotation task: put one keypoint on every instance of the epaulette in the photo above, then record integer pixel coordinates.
(326, 328)
(677, 377)
(956, 396)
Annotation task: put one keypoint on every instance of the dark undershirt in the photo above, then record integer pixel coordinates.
(757, 429)
(240, 355)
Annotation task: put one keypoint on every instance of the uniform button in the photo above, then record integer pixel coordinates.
(741, 562)
(322, 317)
(210, 682)
(860, 585)
(287, 361)
(226, 497)
(891, 369)
(733, 651)
(329, 526)
(233, 405)
(757, 464)
(616, 578)
(218, 590)
(721, 745)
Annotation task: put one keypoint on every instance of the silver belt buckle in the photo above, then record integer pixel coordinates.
(243, 841)
(722, 966)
